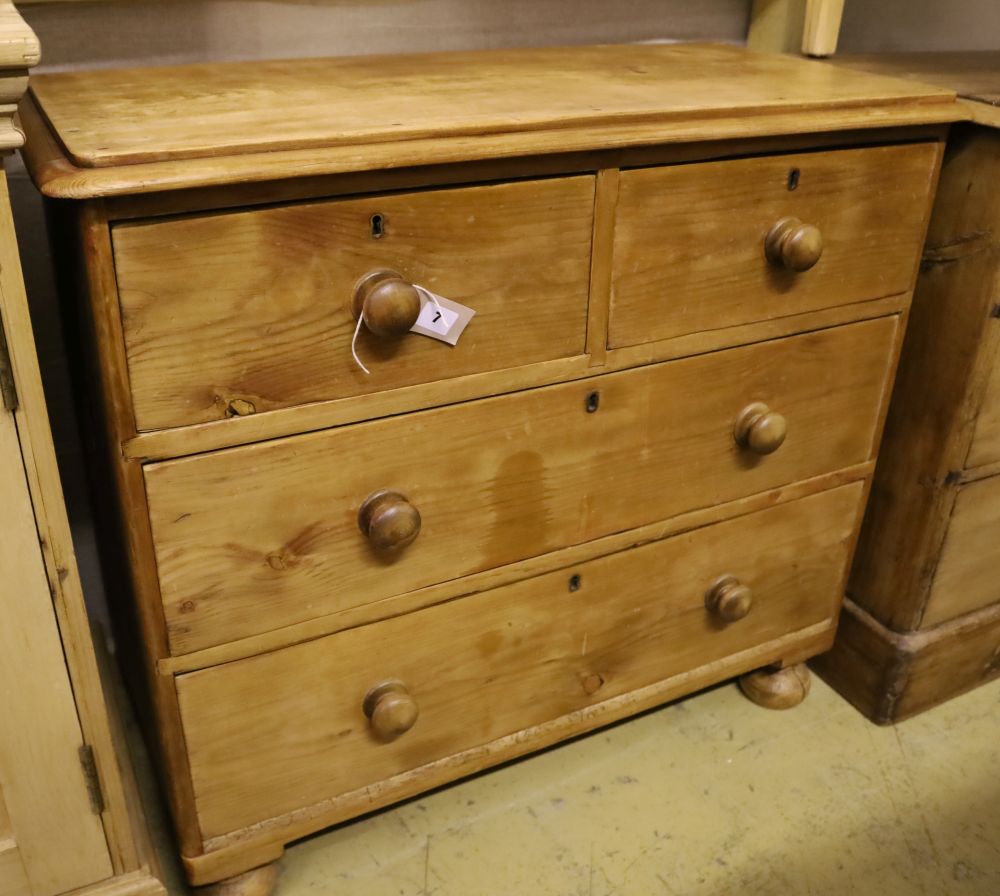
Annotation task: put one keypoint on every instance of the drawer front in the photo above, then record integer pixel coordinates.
(248, 311)
(985, 448)
(689, 247)
(966, 575)
(488, 665)
(257, 537)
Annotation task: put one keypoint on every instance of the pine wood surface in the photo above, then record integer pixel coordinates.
(944, 367)
(19, 51)
(114, 849)
(167, 128)
(233, 431)
(240, 538)
(973, 75)
(84, 242)
(688, 238)
(985, 446)
(266, 535)
(486, 666)
(277, 282)
(120, 117)
(922, 626)
(965, 578)
(890, 676)
(57, 838)
(476, 583)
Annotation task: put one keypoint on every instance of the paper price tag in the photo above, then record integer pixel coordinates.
(441, 318)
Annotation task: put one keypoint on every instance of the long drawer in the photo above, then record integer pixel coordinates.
(257, 537)
(242, 312)
(690, 249)
(478, 668)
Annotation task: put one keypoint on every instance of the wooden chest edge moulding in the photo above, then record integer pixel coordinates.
(921, 622)
(736, 105)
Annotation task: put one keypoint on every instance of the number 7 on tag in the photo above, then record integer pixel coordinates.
(441, 318)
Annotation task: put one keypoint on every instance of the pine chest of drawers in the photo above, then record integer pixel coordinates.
(922, 619)
(362, 562)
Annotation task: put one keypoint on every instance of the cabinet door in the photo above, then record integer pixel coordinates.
(51, 839)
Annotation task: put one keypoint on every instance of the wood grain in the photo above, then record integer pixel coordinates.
(83, 243)
(43, 785)
(689, 239)
(278, 282)
(966, 578)
(201, 437)
(942, 374)
(891, 676)
(985, 446)
(124, 117)
(821, 29)
(202, 121)
(262, 536)
(505, 575)
(974, 75)
(516, 657)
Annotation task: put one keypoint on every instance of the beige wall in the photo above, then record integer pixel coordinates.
(874, 26)
(150, 31)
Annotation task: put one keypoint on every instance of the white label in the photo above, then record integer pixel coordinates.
(441, 318)
(438, 319)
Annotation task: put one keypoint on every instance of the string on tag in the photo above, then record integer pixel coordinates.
(354, 346)
(454, 319)
(427, 294)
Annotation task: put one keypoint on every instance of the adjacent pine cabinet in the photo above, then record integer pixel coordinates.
(922, 619)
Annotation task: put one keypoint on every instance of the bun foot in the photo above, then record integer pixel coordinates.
(256, 882)
(777, 688)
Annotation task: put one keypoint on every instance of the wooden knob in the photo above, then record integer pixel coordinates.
(760, 429)
(793, 245)
(390, 709)
(389, 520)
(388, 304)
(729, 599)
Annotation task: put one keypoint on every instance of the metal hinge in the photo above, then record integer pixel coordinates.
(89, 765)
(7, 388)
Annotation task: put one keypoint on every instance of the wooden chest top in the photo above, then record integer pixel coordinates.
(128, 131)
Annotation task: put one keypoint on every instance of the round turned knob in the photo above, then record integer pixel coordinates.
(388, 304)
(389, 520)
(390, 709)
(793, 245)
(760, 429)
(729, 599)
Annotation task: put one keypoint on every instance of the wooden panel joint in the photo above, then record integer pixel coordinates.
(8, 388)
(90, 774)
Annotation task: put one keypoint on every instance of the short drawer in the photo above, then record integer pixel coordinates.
(243, 312)
(258, 537)
(288, 729)
(689, 246)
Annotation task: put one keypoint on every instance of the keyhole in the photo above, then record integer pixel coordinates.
(575, 581)
(378, 227)
(793, 178)
(593, 402)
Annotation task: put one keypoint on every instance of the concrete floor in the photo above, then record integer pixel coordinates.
(709, 795)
